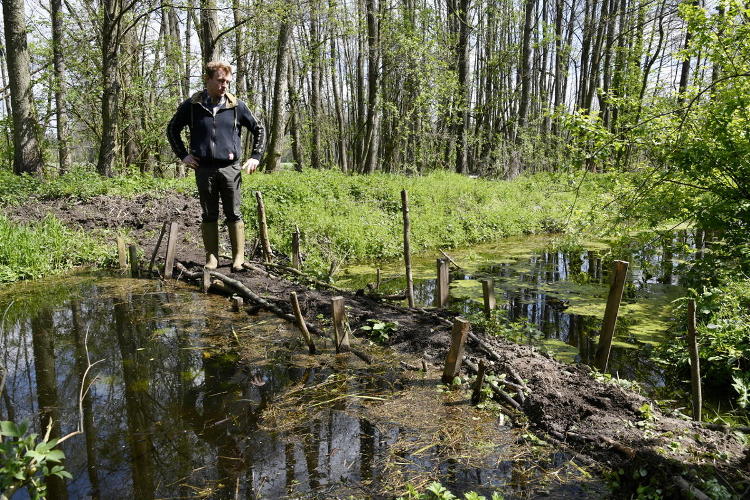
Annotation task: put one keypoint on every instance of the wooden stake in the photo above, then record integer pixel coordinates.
(488, 290)
(455, 355)
(296, 261)
(695, 367)
(156, 248)
(377, 279)
(263, 228)
(206, 283)
(476, 396)
(301, 322)
(134, 267)
(122, 255)
(237, 303)
(407, 249)
(442, 283)
(341, 335)
(171, 244)
(610, 315)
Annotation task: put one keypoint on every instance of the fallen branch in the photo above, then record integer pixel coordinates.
(306, 276)
(450, 260)
(688, 489)
(495, 388)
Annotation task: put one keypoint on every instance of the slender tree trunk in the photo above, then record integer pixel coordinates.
(239, 49)
(59, 68)
(27, 153)
(294, 126)
(360, 146)
(372, 134)
(111, 89)
(341, 140)
(209, 31)
(273, 158)
(524, 75)
(315, 118)
(459, 12)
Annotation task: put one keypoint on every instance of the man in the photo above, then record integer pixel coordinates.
(215, 119)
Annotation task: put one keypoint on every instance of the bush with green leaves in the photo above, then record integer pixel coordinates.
(436, 491)
(25, 461)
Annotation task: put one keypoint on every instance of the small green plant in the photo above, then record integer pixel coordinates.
(436, 491)
(741, 384)
(379, 331)
(24, 462)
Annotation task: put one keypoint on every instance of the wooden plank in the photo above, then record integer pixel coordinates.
(296, 260)
(135, 270)
(407, 249)
(156, 248)
(122, 254)
(171, 247)
(695, 366)
(488, 291)
(300, 322)
(443, 277)
(263, 228)
(341, 334)
(610, 315)
(456, 354)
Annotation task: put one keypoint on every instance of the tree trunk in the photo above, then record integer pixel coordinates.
(315, 121)
(340, 141)
(458, 13)
(524, 74)
(110, 91)
(59, 69)
(209, 31)
(372, 134)
(294, 126)
(273, 158)
(27, 154)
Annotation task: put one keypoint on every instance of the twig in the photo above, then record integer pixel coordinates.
(450, 259)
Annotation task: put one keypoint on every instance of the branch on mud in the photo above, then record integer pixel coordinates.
(495, 388)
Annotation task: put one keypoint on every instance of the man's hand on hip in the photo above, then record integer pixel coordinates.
(191, 161)
(250, 165)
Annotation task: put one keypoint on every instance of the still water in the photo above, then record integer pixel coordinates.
(554, 293)
(186, 399)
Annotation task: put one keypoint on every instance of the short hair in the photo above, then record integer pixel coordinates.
(213, 66)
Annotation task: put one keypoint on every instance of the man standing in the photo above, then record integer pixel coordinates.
(215, 119)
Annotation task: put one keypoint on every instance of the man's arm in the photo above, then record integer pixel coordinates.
(176, 124)
(247, 119)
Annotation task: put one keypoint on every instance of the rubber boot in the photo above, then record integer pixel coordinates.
(210, 232)
(237, 238)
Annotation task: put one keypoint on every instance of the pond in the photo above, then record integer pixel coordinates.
(185, 398)
(553, 293)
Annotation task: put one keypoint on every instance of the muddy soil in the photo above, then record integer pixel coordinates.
(604, 425)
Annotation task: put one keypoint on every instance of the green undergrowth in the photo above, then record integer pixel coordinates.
(353, 218)
(82, 183)
(44, 248)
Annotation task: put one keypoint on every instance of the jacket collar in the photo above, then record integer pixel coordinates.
(231, 102)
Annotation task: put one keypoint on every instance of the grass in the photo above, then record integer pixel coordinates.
(342, 217)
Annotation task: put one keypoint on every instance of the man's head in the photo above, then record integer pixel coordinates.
(218, 77)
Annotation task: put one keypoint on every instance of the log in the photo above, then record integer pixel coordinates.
(441, 289)
(300, 322)
(171, 244)
(156, 248)
(122, 255)
(476, 395)
(610, 315)
(135, 270)
(695, 366)
(263, 228)
(488, 292)
(456, 353)
(407, 248)
(340, 330)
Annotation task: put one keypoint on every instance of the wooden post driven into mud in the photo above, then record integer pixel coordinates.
(476, 395)
(206, 281)
(456, 354)
(610, 315)
(340, 333)
(377, 279)
(488, 291)
(156, 248)
(695, 367)
(442, 283)
(135, 270)
(122, 256)
(300, 322)
(407, 248)
(237, 303)
(296, 261)
(171, 244)
(265, 244)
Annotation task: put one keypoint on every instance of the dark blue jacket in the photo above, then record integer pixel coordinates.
(214, 137)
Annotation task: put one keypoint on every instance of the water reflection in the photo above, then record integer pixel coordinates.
(174, 412)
